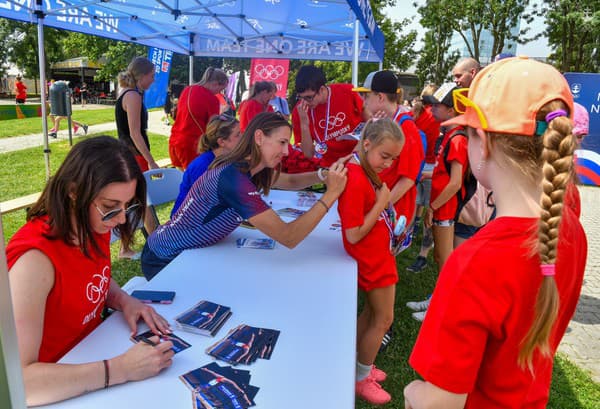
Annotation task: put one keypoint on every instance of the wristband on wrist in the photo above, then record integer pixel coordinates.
(321, 175)
(324, 205)
(106, 374)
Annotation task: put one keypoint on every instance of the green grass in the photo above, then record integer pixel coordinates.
(28, 126)
(571, 388)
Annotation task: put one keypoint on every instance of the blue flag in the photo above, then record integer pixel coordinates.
(156, 95)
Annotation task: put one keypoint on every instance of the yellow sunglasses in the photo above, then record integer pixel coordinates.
(461, 102)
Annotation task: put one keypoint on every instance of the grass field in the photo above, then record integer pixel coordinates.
(28, 126)
(572, 388)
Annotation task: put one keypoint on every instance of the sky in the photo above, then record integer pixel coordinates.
(405, 9)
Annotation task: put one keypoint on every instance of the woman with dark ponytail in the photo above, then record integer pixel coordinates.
(505, 297)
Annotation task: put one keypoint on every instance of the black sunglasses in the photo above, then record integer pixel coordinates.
(111, 214)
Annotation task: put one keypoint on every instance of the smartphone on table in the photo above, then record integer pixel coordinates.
(150, 296)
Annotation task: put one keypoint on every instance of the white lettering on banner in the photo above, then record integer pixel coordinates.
(367, 14)
(595, 109)
(15, 5)
(598, 97)
(285, 46)
(105, 22)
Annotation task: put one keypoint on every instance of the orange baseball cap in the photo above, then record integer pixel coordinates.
(510, 92)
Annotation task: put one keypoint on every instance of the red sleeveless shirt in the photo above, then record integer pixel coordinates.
(76, 300)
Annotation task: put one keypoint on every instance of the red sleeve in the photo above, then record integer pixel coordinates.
(351, 207)
(248, 111)
(296, 125)
(412, 154)
(458, 151)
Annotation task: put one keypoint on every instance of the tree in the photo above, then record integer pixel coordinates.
(573, 31)
(469, 18)
(20, 45)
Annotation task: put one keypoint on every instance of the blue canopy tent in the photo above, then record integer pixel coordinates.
(342, 30)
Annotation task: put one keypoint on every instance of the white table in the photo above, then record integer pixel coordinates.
(308, 293)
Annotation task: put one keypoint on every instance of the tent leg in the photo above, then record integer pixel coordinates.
(355, 54)
(191, 76)
(42, 66)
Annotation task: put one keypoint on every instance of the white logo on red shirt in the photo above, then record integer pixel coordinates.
(95, 288)
(333, 121)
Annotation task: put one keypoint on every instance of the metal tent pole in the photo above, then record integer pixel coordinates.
(42, 66)
(355, 54)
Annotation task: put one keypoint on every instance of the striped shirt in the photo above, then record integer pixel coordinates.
(215, 206)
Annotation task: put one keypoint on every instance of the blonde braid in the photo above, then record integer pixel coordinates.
(557, 169)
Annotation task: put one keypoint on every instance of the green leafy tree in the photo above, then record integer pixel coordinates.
(469, 18)
(573, 31)
(20, 46)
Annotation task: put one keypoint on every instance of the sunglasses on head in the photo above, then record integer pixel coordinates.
(461, 102)
(225, 118)
(111, 214)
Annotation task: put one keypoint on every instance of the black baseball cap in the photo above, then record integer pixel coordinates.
(380, 81)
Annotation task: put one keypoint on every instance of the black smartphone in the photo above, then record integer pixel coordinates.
(162, 297)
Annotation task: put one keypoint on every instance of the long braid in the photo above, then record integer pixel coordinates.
(557, 169)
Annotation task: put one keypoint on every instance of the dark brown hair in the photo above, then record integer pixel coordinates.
(90, 166)
(247, 152)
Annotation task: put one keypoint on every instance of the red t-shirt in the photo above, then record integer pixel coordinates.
(483, 306)
(573, 198)
(440, 178)
(408, 164)
(21, 90)
(249, 109)
(190, 126)
(427, 123)
(81, 284)
(345, 113)
(376, 264)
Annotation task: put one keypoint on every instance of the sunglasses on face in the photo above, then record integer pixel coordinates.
(111, 214)
(461, 102)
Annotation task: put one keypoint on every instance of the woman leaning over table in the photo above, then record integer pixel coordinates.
(230, 192)
(60, 274)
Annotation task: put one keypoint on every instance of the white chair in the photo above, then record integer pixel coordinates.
(162, 186)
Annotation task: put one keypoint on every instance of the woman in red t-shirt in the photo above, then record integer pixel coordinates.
(196, 105)
(367, 227)
(506, 295)
(258, 101)
(60, 276)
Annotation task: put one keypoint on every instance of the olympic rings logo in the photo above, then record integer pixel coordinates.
(95, 288)
(269, 71)
(333, 121)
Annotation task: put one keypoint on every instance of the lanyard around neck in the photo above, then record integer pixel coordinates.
(312, 114)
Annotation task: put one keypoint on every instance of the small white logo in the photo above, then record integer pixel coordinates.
(269, 71)
(333, 121)
(575, 88)
(95, 288)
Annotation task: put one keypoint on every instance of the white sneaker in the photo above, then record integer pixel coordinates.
(419, 316)
(419, 305)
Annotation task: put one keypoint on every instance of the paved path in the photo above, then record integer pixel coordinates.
(155, 125)
(582, 341)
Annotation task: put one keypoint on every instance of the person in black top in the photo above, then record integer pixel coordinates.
(131, 114)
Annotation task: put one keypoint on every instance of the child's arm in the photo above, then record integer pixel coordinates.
(402, 186)
(419, 394)
(356, 234)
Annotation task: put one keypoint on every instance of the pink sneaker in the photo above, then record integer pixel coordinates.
(75, 128)
(369, 390)
(378, 374)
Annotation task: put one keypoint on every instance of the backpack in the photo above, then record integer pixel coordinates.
(406, 117)
(474, 207)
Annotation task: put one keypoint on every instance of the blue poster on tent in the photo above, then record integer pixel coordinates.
(156, 95)
(586, 91)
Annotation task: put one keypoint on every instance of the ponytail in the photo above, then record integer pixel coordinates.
(557, 167)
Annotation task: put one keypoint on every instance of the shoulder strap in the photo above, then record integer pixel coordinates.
(190, 110)
(447, 148)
